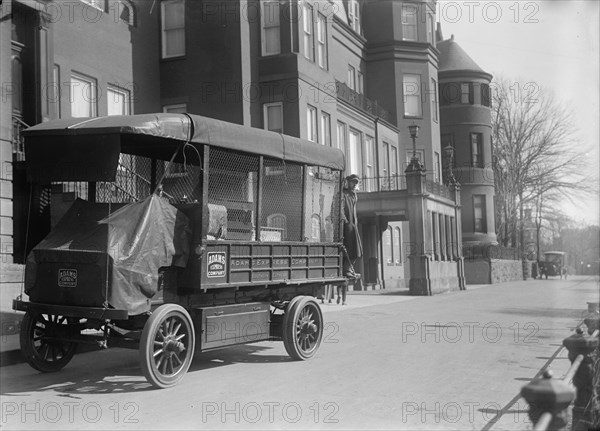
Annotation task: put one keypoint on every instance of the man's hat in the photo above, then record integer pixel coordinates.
(353, 177)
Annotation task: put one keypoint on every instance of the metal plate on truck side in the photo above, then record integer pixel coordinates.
(234, 324)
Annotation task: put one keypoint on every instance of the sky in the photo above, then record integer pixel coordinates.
(552, 43)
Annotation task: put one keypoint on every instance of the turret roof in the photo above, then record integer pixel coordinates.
(454, 58)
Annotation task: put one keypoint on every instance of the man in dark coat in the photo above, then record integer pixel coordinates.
(352, 241)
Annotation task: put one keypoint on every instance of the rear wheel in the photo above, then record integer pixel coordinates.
(167, 345)
(43, 342)
(302, 328)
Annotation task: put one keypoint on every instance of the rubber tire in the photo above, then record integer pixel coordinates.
(291, 317)
(32, 354)
(147, 348)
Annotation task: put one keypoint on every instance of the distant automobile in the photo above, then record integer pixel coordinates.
(553, 265)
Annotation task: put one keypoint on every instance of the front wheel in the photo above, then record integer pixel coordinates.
(167, 345)
(43, 344)
(302, 328)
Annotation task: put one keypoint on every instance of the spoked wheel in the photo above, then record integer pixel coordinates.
(43, 342)
(302, 328)
(167, 345)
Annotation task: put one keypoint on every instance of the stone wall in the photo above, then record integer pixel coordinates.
(506, 270)
(484, 271)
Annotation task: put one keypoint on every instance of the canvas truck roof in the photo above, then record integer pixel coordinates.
(88, 149)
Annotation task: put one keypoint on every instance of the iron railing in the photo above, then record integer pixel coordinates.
(360, 101)
(439, 189)
(17, 138)
(383, 183)
(550, 400)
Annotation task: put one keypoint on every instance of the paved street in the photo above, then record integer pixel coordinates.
(388, 361)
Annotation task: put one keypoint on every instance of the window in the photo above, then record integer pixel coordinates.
(322, 41)
(271, 41)
(118, 101)
(395, 181)
(476, 150)
(486, 99)
(409, 22)
(180, 108)
(326, 129)
(369, 161)
(56, 92)
(479, 211)
(385, 166)
(442, 227)
(98, 4)
(352, 78)
(341, 136)
(435, 235)
(466, 93)
(83, 96)
(354, 143)
(360, 83)
(273, 117)
(434, 104)
(389, 242)
(436, 171)
(389, 167)
(454, 247)
(430, 29)
(398, 244)
(309, 42)
(354, 15)
(311, 123)
(173, 28)
(412, 95)
(449, 244)
(450, 93)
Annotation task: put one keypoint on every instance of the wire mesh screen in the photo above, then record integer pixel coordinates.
(322, 204)
(281, 201)
(132, 182)
(232, 195)
(180, 182)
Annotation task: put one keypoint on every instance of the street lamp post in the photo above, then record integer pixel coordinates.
(449, 151)
(414, 162)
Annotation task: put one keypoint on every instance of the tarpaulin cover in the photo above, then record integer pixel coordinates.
(139, 238)
(87, 149)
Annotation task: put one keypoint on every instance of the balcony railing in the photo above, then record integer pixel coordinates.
(360, 101)
(17, 138)
(383, 184)
(439, 189)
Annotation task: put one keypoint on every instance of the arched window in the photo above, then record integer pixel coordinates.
(125, 11)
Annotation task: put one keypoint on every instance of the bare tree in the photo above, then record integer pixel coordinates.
(536, 159)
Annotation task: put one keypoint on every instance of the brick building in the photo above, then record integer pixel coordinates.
(349, 74)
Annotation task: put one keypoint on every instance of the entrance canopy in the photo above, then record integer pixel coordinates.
(88, 149)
